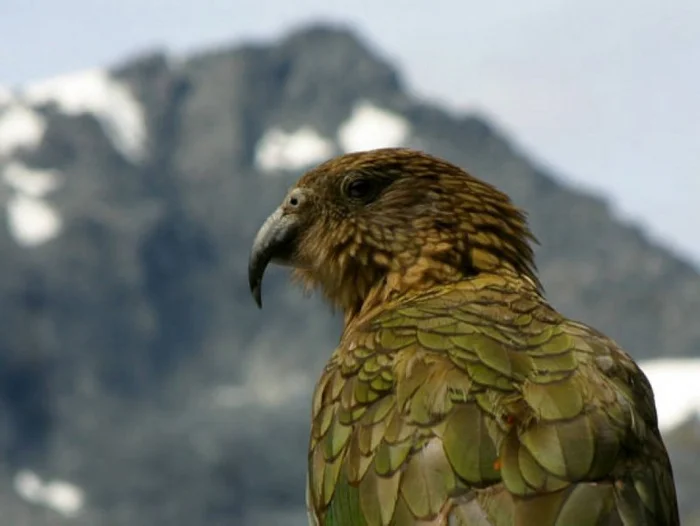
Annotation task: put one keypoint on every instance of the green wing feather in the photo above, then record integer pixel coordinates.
(478, 404)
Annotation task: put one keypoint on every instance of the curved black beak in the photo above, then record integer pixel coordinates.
(275, 242)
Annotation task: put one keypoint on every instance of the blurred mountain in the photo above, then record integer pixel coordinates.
(139, 383)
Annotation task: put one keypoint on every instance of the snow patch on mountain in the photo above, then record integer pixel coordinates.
(262, 394)
(63, 497)
(676, 384)
(278, 150)
(97, 92)
(370, 127)
(30, 218)
(35, 182)
(20, 127)
(32, 221)
(267, 385)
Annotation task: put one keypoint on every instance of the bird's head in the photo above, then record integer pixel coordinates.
(365, 226)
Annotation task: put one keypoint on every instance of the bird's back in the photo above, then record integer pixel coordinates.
(478, 404)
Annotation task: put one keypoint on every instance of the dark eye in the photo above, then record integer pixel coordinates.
(359, 189)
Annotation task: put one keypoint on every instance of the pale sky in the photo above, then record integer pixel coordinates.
(606, 93)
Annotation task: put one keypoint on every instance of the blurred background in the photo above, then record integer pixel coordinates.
(143, 142)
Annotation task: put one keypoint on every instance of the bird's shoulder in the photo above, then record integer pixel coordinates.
(493, 341)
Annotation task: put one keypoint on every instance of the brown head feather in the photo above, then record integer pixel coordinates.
(413, 221)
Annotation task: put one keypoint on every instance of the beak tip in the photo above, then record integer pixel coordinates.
(257, 296)
(256, 290)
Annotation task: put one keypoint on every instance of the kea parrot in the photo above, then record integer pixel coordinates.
(457, 396)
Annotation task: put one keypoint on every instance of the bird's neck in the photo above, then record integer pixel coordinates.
(403, 286)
